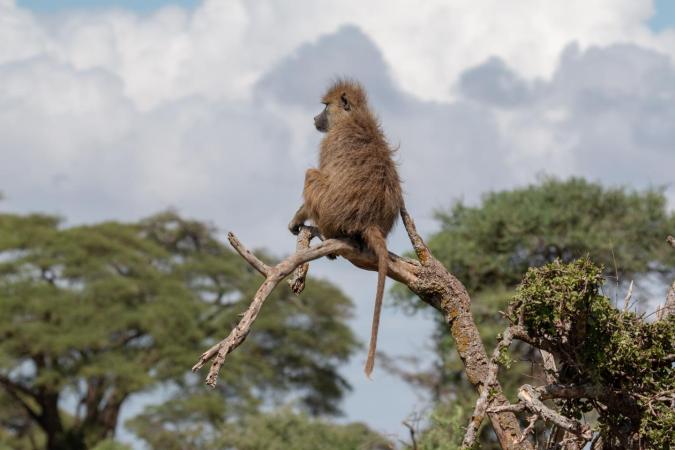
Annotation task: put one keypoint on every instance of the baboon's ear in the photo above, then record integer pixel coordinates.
(345, 102)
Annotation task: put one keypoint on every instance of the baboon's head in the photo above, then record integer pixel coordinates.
(341, 100)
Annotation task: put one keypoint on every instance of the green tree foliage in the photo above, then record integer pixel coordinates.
(490, 246)
(495, 242)
(627, 360)
(91, 315)
(280, 430)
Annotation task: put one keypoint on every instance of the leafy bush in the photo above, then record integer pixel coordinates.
(627, 360)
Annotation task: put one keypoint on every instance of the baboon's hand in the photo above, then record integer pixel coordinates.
(294, 227)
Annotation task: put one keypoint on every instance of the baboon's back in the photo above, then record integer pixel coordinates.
(363, 184)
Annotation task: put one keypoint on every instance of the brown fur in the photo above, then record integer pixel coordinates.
(356, 191)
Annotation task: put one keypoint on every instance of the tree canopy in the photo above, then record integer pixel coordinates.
(91, 315)
(278, 430)
(495, 242)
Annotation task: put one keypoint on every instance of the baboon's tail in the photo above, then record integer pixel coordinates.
(378, 244)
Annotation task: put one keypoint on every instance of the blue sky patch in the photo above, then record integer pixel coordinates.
(133, 5)
(664, 15)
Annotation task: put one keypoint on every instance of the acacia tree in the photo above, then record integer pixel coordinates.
(491, 245)
(91, 315)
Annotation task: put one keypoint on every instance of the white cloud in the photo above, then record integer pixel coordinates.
(607, 113)
(222, 48)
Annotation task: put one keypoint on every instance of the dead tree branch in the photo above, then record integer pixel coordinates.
(273, 275)
(411, 429)
(426, 277)
(558, 435)
(531, 399)
(482, 402)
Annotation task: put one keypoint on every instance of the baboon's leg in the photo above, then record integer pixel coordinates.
(315, 185)
(298, 220)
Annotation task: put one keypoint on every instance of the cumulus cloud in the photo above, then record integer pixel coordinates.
(607, 113)
(222, 48)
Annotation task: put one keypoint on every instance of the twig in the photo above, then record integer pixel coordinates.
(628, 296)
(245, 253)
(531, 421)
(421, 250)
(412, 434)
(669, 308)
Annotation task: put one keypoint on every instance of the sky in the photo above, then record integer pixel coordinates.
(118, 109)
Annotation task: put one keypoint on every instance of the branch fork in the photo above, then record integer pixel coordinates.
(424, 276)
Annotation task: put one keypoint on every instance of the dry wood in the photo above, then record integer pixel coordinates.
(531, 399)
(273, 275)
(297, 280)
(482, 402)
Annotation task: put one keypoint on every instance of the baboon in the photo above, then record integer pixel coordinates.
(356, 191)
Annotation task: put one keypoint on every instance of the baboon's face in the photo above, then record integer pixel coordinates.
(335, 110)
(321, 120)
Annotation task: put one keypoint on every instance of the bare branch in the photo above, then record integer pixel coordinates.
(669, 308)
(530, 426)
(274, 276)
(549, 366)
(532, 400)
(629, 294)
(297, 280)
(10, 384)
(16, 390)
(518, 407)
(412, 434)
(421, 250)
(248, 255)
(482, 402)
